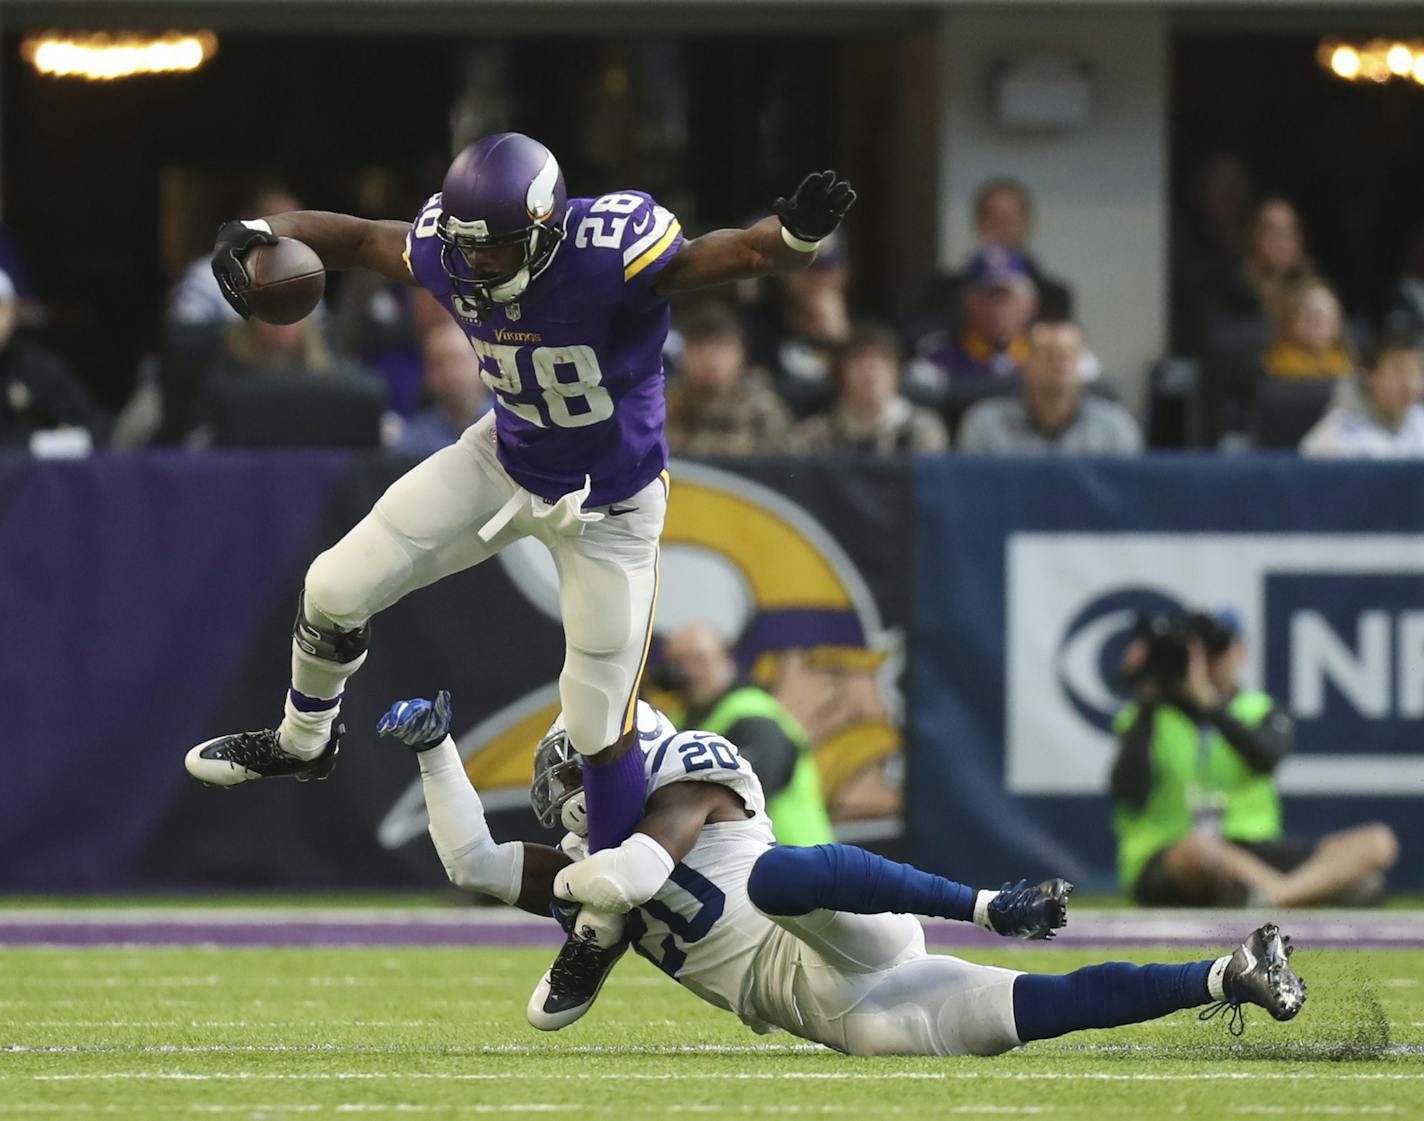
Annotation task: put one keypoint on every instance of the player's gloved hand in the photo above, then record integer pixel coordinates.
(817, 207)
(418, 723)
(1020, 911)
(235, 241)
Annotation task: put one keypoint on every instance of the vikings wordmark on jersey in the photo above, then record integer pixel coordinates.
(575, 364)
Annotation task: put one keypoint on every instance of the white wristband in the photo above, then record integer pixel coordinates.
(981, 909)
(796, 243)
(259, 224)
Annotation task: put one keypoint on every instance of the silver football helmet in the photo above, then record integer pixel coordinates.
(556, 795)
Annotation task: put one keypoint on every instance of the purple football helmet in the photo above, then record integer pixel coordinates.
(504, 189)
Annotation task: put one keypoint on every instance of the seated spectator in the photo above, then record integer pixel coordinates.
(38, 391)
(196, 297)
(1197, 815)
(1000, 300)
(718, 405)
(1275, 260)
(452, 379)
(1052, 412)
(1378, 416)
(869, 415)
(1003, 216)
(1309, 339)
(252, 348)
(253, 345)
(815, 321)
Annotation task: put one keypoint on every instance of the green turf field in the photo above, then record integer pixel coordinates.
(270, 1034)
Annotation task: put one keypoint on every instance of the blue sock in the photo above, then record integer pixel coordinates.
(614, 793)
(787, 880)
(1105, 996)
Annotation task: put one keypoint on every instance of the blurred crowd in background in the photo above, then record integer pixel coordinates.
(992, 362)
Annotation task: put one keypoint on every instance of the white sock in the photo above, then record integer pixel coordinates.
(1216, 978)
(304, 734)
(604, 927)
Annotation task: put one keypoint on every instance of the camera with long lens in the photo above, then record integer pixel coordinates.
(1168, 637)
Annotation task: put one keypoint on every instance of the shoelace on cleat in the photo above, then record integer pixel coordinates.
(578, 962)
(1235, 1021)
(257, 747)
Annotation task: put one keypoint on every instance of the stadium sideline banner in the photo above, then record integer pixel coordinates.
(1031, 574)
(148, 602)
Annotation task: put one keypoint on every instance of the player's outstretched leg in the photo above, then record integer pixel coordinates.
(423, 528)
(1116, 993)
(788, 880)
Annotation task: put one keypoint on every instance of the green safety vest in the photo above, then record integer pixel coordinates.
(1195, 771)
(798, 812)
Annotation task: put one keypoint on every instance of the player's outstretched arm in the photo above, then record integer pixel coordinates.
(341, 241)
(515, 872)
(784, 243)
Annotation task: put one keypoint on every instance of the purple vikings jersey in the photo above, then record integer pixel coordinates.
(575, 364)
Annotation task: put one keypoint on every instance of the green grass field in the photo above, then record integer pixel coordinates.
(271, 1034)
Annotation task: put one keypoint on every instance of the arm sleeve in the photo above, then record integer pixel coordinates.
(470, 855)
(1132, 773)
(1262, 745)
(769, 750)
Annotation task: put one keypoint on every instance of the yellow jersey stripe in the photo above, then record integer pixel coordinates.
(655, 252)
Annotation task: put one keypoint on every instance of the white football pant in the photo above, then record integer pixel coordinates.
(865, 985)
(427, 526)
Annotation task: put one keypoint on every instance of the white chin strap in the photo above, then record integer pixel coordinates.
(574, 815)
(512, 288)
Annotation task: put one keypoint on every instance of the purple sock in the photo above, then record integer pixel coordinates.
(614, 793)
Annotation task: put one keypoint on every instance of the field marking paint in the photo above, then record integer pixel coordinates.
(405, 1049)
(1176, 1050)
(734, 1076)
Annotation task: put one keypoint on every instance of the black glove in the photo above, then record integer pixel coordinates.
(817, 207)
(234, 242)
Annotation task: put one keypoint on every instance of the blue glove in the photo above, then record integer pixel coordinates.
(418, 723)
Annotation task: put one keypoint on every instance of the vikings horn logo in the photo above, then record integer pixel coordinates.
(788, 600)
(539, 199)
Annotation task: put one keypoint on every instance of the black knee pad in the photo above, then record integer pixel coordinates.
(336, 645)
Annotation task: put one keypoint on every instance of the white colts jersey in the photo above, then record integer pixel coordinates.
(700, 928)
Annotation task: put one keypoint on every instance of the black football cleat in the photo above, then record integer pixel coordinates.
(1020, 911)
(244, 756)
(1260, 973)
(571, 985)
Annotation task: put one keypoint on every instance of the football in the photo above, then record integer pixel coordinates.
(287, 281)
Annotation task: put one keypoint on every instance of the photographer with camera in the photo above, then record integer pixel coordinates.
(1197, 815)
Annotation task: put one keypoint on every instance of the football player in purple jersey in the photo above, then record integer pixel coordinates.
(565, 303)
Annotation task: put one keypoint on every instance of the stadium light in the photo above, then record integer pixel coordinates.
(104, 56)
(1345, 61)
(1378, 61)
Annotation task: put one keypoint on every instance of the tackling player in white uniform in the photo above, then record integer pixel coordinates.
(814, 941)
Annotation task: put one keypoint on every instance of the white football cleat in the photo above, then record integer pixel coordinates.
(571, 985)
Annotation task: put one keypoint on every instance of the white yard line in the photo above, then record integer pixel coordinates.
(731, 1076)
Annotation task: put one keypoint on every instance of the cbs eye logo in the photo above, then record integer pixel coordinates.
(1089, 657)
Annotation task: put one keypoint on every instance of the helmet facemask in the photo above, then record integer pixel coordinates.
(539, 241)
(556, 795)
